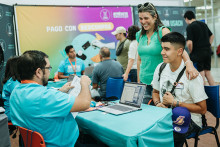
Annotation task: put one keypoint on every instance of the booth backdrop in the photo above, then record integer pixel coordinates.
(7, 40)
(51, 29)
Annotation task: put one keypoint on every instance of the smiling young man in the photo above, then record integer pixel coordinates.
(71, 65)
(46, 110)
(187, 93)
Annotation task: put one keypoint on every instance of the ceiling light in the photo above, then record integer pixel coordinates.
(185, 1)
(203, 7)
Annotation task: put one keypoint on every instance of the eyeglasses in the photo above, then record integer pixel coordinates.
(146, 5)
(49, 68)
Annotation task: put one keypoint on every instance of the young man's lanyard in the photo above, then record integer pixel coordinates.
(28, 81)
(74, 69)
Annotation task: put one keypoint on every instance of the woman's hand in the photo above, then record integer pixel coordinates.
(191, 72)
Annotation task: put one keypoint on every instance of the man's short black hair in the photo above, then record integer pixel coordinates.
(189, 15)
(174, 38)
(29, 62)
(67, 49)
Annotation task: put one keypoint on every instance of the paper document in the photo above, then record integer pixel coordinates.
(77, 86)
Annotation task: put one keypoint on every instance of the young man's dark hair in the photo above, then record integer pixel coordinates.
(67, 49)
(189, 15)
(174, 38)
(29, 62)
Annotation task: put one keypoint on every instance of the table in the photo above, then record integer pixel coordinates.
(149, 127)
(57, 84)
(4, 133)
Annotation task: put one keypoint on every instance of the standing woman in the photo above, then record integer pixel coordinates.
(149, 48)
(132, 54)
(10, 81)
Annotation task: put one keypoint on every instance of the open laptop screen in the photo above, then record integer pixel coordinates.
(133, 94)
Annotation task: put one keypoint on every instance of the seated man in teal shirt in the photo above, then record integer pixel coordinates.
(71, 65)
(43, 109)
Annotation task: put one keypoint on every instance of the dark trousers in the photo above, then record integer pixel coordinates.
(179, 139)
(133, 75)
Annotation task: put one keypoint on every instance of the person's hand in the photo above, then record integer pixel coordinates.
(161, 105)
(85, 80)
(168, 99)
(125, 77)
(191, 72)
(66, 87)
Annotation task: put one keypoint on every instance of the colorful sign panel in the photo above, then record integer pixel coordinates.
(51, 29)
(7, 41)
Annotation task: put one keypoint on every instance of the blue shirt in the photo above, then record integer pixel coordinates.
(46, 111)
(8, 87)
(66, 68)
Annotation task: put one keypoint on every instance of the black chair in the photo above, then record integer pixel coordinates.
(213, 106)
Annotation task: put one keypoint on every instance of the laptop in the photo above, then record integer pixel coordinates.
(131, 99)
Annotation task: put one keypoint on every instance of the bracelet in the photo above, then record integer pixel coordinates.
(187, 61)
(157, 102)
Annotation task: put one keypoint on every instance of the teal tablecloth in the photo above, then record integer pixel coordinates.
(57, 84)
(149, 127)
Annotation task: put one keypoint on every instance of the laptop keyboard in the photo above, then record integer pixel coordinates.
(120, 108)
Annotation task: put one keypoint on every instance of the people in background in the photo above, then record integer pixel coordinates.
(132, 55)
(10, 81)
(43, 109)
(103, 70)
(187, 93)
(199, 40)
(122, 46)
(71, 65)
(149, 47)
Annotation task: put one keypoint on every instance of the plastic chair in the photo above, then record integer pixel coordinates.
(213, 107)
(114, 87)
(31, 138)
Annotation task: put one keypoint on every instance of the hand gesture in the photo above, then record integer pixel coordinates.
(168, 99)
(66, 87)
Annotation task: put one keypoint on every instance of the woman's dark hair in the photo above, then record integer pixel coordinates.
(150, 8)
(11, 70)
(132, 30)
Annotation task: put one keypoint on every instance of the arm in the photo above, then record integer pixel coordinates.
(211, 38)
(199, 107)
(165, 31)
(138, 68)
(130, 63)
(156, 99)
(82, 101)
(191, 71)
(189, 45)
(61, 76)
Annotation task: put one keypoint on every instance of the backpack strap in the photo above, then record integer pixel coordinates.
(177, 80)
(163, 65)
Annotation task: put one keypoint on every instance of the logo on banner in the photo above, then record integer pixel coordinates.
(1, 13)
(9, 29)
(166, 12)
(120, 14)
(3, 44)
(105, 14)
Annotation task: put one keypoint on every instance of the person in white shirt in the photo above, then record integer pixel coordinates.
(187, 93)
(132, 54)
